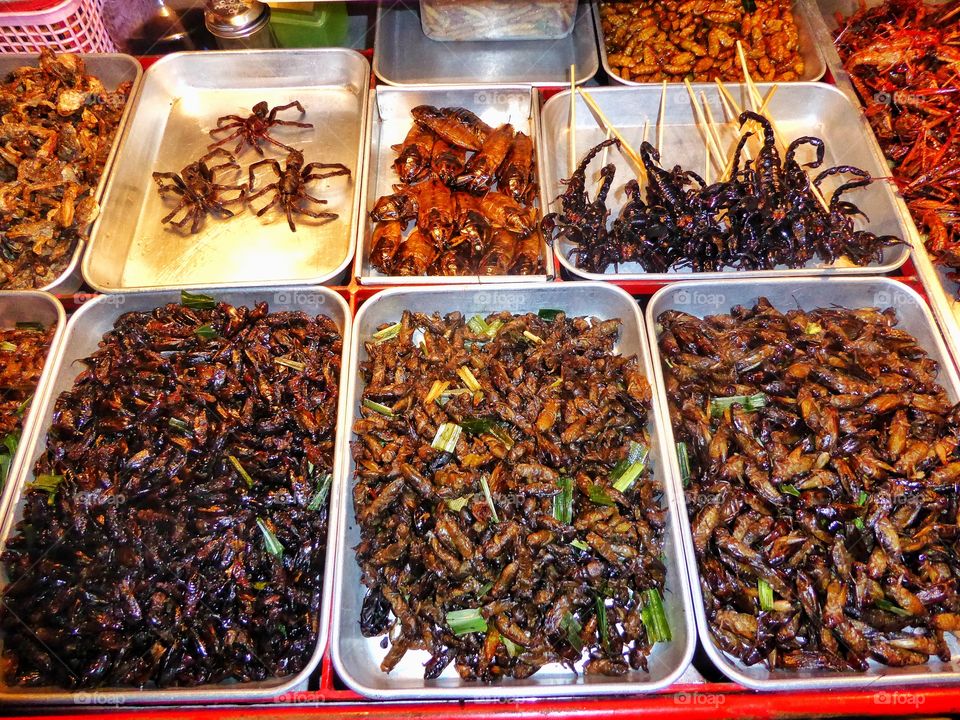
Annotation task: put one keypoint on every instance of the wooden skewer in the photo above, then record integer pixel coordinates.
(701, 120)
(625, 147)
(572, 145)
(763, 111)
(733, 110)
(754, 96)
(711, 124)
(662, 117)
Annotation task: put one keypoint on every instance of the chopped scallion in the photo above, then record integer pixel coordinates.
(178, 424)
(22, 407)
(654, 617)
(47, 484)
(858, 524)
(512, 647)
(489, 498)
(272, 545)
(683, 460)
(469, 379)
(388, 333)
(750, 403)
(493, 328)
(447, 437)
(536, 339)
(239, 468)
(563, 501)
(790, 490)
(206, 332)
(8, 346)
(862, 498)
(548, 314)
(602, 627)
(320, 496)
(197, 301)
(484, 589)
(580, 545)
(626, 472)
(478, 326)
(457, 504)
(573, 628)
(765, 593)
(31, 326)
(436, 390)
(377, 407)
(464, 622)
(891, 608)
(599, 496)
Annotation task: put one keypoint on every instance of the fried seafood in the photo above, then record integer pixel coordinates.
(903, 57)
(654, 40)
(57, 126)
(507, 511)
(174, 534)
(821, 465)
(764, 216)
(474, 214)
(23, 350)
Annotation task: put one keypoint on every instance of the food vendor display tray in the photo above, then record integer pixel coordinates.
(183, 96)
(32, 306)
(388, 124)
(404, 55)
(81, 339)
(111, 69)
(813, 63)
(356, 658)
(711, 298)
(798, 109)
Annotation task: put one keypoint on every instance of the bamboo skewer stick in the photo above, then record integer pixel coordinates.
(754, 96)
(733, 109)
(711, 124)
(631, 155)
(702, 122)
(572, 126)
(662, 116)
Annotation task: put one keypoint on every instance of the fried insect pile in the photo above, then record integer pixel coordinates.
(507, 512)
(199, 193)
(23, 350)
(474, 215)
(822, 467)
(654, 40)
(57, 126)
(903, 57)
(176, 528)
(764, 216)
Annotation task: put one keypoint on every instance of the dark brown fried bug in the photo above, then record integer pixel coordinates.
(198, 191)
(289, 189)
(254, 129)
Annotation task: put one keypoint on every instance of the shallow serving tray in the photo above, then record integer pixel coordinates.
(81, 338)
(182, 97)
(799, 108)
(357, 659)
(711, 298)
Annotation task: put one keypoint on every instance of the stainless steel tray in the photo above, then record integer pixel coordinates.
(710, 298)
(388, 124)
(403, 55)
(182, 97)
(81, 338)
(111, 69)
(357, 659)
(30, 306)
(799, 109)
(813, 62)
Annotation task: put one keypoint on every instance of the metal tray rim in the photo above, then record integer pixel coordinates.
(801, 12)
(895, 263)
(32, 417)
(847, 680)
(48, 695)
(361, 268)
(62, 280)
(682, 592)
(377, 59)
(87, 260)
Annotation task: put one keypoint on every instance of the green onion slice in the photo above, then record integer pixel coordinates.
(197, 301)
(489, 498)
(464, 622)
(766, 594)
(548, 314)
(377, 407)
(563, 501)
(323, 490)
(273, 546)
(206, 332)
(573, 628)
(447, 437)
(239, 468)
(750, 403)
(388, 333)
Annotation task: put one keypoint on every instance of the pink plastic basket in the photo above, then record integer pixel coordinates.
(64, 25)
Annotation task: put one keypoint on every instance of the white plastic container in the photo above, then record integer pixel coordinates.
(497, 19)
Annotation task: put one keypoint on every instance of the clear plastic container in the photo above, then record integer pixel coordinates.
(305, 25)
(497, 19)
